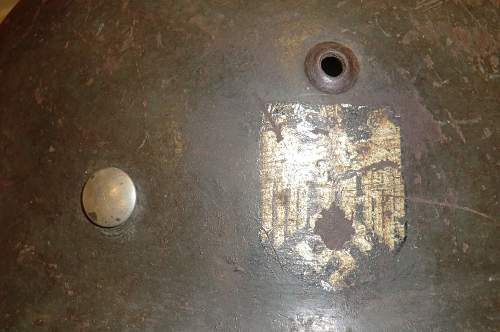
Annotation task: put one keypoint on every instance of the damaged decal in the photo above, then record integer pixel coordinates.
(331, 187)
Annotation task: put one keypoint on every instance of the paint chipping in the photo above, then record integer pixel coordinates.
(331, 185)
(334, 228)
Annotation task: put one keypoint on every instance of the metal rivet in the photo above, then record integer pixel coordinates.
(109, 197)
(331, 67)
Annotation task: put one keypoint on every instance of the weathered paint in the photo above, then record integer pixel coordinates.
(193, 261)
(5, 7)
(331, 185)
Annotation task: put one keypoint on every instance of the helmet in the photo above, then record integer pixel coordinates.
(254, 166)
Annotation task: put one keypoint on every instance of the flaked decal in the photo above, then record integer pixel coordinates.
(331, 186)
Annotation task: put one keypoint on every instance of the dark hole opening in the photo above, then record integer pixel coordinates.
(332, 66)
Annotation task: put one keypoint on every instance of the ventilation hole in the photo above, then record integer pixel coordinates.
(332, 66)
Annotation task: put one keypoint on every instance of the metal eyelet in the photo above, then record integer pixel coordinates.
(332, 67)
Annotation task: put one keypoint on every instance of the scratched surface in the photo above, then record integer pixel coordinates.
(175, 93)
(331, 187)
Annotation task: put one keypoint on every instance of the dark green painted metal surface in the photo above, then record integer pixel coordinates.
(173, 92)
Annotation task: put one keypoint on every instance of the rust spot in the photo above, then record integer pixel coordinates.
(334, 228)
(331, 67)
(4, 183)
(39, 96)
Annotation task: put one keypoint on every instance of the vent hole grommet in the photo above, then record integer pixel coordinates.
(331, 67)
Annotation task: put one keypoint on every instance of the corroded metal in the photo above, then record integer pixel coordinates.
(343, 79)
(173, 91)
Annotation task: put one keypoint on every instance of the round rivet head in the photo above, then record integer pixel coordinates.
(109, 197)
